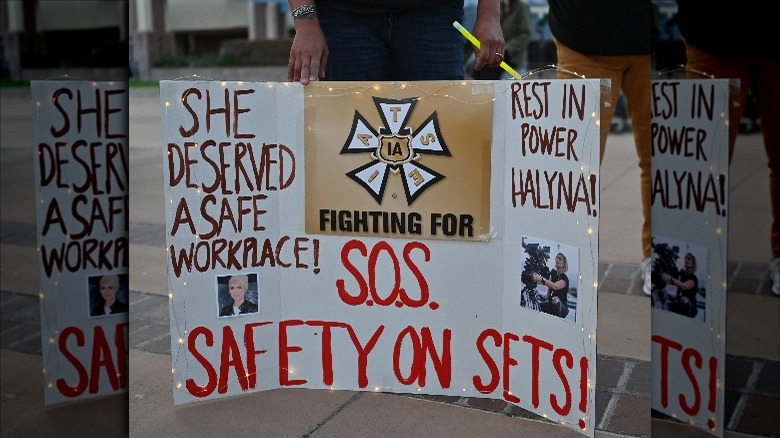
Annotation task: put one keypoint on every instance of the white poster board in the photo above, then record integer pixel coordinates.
(377, 231)
(550, 198)
(690, 209)
(81, 179)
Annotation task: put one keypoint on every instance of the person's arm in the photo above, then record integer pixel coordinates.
(309, 52)
(551, 285)
(683, 285)
(487, 29)
(554, 285)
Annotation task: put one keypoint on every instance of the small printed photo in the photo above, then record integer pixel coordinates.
(237, 295)
(550, 272)
(108, 294)
(679, 277)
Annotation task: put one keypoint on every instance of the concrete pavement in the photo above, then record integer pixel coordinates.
(623, 368)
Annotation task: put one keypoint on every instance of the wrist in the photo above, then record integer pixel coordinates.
(310, 21)
(490, 10)
(304, 12)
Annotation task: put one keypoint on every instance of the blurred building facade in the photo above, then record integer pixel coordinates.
(114, 39)
(177, 29)
(40, 39)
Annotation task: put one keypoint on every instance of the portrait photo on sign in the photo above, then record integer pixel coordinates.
(237, 295)
(549, 277)
(679, 277)
(108, 294)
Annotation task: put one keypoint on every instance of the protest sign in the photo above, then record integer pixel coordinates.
(370, 236)
(81, 179)
(690, 208)
(550, 203)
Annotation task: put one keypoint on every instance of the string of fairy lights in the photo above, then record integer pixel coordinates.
(588, 239)
(717, 323)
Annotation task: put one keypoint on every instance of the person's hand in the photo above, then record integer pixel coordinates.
(536, 277)
(556, 300)
(487, 29)
(309, 52)
(666, 277)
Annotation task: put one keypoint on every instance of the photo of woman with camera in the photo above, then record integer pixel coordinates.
(551, 290)
(687, 285)
(557, 288)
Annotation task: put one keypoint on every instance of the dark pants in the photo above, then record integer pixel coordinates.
(405, 46)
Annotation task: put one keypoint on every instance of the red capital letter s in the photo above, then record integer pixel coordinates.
(211, 384)
(81, 386)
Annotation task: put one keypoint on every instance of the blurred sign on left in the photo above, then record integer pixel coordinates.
(80, 149)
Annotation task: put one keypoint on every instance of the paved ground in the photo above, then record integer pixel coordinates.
(623, 367)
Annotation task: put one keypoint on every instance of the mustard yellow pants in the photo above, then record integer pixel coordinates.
(631, 76)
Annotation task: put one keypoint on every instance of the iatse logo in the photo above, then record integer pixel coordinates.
(395, 148)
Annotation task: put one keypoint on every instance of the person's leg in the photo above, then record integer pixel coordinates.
(636, 89)
(425, 45)
(766, 93)
(614, 68)
(681, 308)
(594, 67)
(357, 45)
(692, 309)
(703, 62)
(561, 310)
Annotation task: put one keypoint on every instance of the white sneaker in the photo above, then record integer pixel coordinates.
(774, 275)
(644, 268)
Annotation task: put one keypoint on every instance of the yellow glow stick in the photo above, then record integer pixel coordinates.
(476, 44)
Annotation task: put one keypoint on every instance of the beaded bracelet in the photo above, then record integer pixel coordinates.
(300, 11)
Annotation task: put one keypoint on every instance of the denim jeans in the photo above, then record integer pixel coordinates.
(403, 46)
